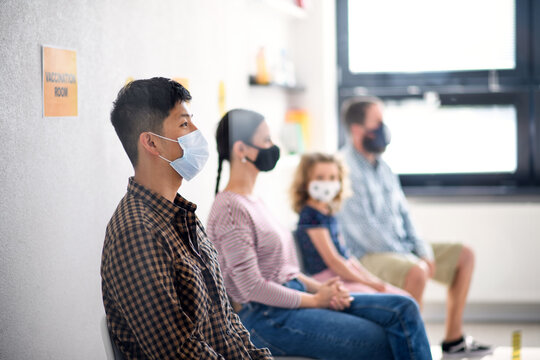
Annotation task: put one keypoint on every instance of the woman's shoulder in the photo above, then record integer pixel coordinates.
(231, 204)
(225, 215)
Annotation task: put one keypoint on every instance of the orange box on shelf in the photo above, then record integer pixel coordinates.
(301, 116)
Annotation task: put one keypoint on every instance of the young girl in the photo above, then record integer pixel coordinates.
(316, 194)
(283, 309)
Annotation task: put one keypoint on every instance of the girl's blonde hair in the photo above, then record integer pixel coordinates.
(299, 189)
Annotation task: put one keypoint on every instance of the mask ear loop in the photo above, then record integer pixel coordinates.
(163, 137)
(255, 146)
(250, 144)
(166, 138)
(245, 158)
(167, 160)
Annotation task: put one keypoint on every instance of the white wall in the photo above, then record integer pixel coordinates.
(504, 235)
(62, 178)
(314, 50)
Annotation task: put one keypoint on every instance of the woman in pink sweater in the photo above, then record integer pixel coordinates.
(285, 310)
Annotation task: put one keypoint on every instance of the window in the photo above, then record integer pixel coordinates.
(423, 133)
(441, 37)
(479, 60)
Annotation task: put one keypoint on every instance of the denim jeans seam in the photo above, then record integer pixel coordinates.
(324, 337)
(407, 336)
(267, 343)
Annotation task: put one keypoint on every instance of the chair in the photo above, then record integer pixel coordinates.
(111, 350)
(114, 354)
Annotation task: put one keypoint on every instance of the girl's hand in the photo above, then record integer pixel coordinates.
(378, 286)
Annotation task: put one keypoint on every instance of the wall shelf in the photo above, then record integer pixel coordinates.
(296, 88)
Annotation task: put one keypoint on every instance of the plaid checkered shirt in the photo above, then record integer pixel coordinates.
(162, 287)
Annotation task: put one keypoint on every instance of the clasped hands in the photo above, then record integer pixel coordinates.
(333, 295)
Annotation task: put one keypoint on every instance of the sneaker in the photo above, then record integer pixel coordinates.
(466, 347)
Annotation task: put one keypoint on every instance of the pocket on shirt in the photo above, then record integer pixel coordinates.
(191, 290)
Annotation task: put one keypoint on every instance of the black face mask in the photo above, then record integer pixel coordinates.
(266, 159)
(377, 140)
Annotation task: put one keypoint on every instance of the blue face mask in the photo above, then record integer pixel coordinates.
(195, 149)
(377, 140)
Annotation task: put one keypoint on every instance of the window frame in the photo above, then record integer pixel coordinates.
(518, 76)
(520, 87)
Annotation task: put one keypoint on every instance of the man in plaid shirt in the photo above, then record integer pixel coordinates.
(162, 287)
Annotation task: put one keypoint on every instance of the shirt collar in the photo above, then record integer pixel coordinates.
(357, 155)
(161, 205)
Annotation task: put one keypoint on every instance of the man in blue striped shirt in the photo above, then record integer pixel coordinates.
(378, 229)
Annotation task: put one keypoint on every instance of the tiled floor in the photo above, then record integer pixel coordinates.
(497, 334)
(500, 353)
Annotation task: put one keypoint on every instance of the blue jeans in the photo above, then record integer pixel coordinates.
(375, 326)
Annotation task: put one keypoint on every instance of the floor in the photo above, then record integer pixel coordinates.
(497, 334)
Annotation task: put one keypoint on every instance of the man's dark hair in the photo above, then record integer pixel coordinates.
(354, 110)
(143, 105)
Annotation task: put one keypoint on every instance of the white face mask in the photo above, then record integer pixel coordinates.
(195, 149)
(324, 191)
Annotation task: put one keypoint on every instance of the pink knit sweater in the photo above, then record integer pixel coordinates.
(256, 254)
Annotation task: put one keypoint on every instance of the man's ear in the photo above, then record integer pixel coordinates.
(147, 143)
(356, 130)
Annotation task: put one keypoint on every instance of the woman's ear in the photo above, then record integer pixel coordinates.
(238, 150)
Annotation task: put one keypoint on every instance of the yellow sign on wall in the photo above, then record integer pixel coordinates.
(59, 82)
(221, 98)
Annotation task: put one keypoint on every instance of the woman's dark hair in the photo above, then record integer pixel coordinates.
(235, 125)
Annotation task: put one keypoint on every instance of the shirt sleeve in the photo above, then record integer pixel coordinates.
(143, 283)
(420, 247)
(238, 249)
(254, 352)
